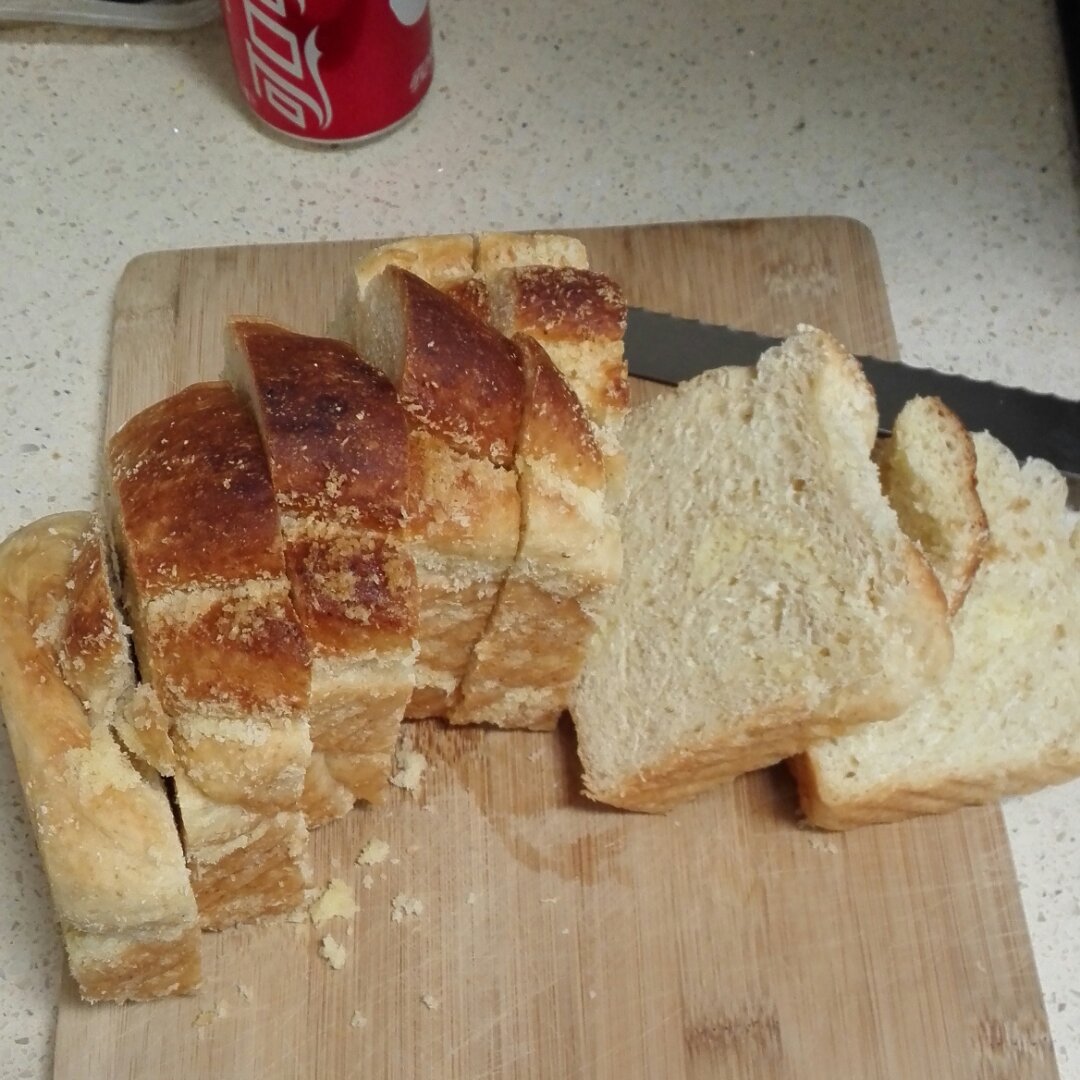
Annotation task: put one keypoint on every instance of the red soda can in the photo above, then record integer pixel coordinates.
(331, 71)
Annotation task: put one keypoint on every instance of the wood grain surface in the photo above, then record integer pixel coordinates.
(560, 939)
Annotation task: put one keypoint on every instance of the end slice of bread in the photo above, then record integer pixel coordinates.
(103, 823)
(1006, 718)
(927, 467)
(769, 597)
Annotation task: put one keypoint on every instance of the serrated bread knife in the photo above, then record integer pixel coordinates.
(668, 349)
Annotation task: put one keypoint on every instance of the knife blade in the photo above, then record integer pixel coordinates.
(670, 348)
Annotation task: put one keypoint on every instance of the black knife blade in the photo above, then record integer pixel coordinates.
(669, 349)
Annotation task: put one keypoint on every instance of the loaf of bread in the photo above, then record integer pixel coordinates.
(531, 652)
(769, 597)
(1006, 717)
(927, 467)
(195, 526)
(103, 825)
(461, 385)
(335, 438)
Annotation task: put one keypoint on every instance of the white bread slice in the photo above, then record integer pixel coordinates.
(1006, 718)
(769, 597)
(104, 827)
(927, 468)
(335, 438)
(461, 385)
(531, 652)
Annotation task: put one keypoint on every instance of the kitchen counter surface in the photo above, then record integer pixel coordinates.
(946, 128)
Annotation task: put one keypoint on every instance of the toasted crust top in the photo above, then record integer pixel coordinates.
(91, 637)
(561, 303)
(459, 378)
(334, 431)
(194, 494)
(555, 424)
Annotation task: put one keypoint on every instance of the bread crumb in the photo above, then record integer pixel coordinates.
(209, 1016)
(471, 898)
(358, 1020)
(549, 899)
(297, 916)
(536, 754)
(333, 952)
(565, 930)
(403, 905)
(244, 991)
(410, 770)
(592, 994)
(336, 902)
(367, 881)
(412, 849)
(373, 852)
(820, 843)
(430, 1001)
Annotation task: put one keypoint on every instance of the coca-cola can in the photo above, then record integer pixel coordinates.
(331, 71)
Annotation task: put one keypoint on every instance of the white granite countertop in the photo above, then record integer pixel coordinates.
(943, 127)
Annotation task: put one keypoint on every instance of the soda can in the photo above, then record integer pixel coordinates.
(331, 71)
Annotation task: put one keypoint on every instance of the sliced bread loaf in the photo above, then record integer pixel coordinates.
(1006, 717)
(769, 597)
(335, 438)
(461, 385)
(927, 467)
(532, 649)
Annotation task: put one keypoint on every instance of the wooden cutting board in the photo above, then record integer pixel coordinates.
(560, 939)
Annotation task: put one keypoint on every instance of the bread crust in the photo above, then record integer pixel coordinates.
(332, 428)
(104, 828)
(459, 379)
(498, 250)
(181, 470)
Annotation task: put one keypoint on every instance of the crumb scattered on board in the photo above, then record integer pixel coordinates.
(244, 991)
(821, 843)
(367, 881)
(373, 852)
(333, 952)
(430, 1001)
(209, 1016)
(471, 898)
(358, 1020)
(410, 769)
(403, 905)
(336, 902)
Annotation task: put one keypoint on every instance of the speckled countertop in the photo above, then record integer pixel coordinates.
(944, 127)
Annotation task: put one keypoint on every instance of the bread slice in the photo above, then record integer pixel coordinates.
(196, 529)
(103, 825)
(531, 652)
(1006, 718)
(769, 597)
(461, 385)
(927, 468)
(335, 438)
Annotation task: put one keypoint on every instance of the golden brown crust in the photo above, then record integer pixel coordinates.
(441, 260)
(554, 423)
(353, 592)
(332, 427)
(108, 968)
(92, 648)
(496, 251)
(244, 866)
(899, 802)
(104, 828)
(458, 378)
(193, 493)
(233, 652)
(473, 295)
(566, 309)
